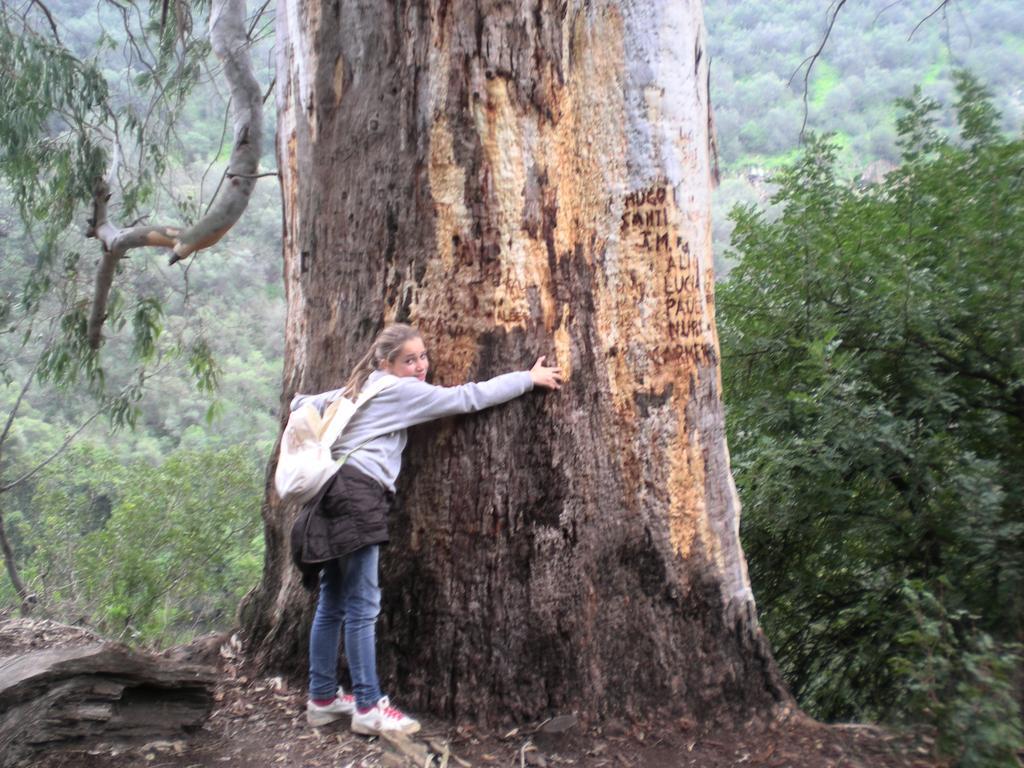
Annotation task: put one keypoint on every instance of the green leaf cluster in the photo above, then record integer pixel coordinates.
(962, 681)
(50, 152)
(149, 554)
(873, 367)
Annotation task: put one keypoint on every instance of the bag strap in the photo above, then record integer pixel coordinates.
(348, 455)
(334, 431)
(376, 388)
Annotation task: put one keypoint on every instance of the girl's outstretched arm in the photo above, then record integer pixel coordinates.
(410, 401)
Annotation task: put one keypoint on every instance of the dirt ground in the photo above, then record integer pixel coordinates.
(261, 722)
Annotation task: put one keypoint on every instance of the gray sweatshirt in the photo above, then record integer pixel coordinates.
(377, 431)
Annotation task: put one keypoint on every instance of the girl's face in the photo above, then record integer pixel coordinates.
(411, 360)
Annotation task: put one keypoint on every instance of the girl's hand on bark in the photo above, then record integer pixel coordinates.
(549, 377)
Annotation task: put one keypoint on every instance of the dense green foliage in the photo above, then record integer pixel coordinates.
(874, 373)
(147, 554)
(192, 353)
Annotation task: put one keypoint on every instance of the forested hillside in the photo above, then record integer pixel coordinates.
(875, 54)
(843, 441)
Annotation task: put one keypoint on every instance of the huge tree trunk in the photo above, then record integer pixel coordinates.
(520, 179)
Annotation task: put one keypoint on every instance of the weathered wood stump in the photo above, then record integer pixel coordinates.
(77, 695)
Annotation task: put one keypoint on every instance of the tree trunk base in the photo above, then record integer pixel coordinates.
(55, 697)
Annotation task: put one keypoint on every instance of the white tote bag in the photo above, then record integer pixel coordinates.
(304, 463)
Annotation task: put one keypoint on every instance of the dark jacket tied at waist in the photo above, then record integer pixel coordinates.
(349, 513)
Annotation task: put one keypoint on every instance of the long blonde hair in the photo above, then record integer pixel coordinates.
(385, 349)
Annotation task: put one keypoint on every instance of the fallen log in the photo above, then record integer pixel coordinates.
(53, 698)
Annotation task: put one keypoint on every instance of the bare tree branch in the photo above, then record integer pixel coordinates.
(17, 404)
(25, 386)
(228, 40)
(26, 597)
(878, 15)
(256, 19)
(57, 452)
(834, 9)
(220, 146)
(249, 175)
(69, 438)
(941, 6)
(49, 17)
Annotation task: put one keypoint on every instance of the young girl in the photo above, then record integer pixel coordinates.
(351, 522)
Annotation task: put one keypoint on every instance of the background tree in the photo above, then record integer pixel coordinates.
(60, 123)
(873, 374)
(229, 41)
(522, 181)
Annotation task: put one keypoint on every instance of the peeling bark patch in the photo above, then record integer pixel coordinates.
(686, 477)
(661, 304)
(505, 145)
(448, 189)
(339, 79)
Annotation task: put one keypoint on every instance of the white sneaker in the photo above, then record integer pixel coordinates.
(383, 717)
(343, 704)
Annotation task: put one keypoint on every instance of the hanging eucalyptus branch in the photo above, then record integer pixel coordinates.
(229, 41)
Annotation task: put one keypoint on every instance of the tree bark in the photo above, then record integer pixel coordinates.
(55, 697)
(28, 600)
(520, 179)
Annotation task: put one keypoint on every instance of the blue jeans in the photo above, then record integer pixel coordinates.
(349, 598)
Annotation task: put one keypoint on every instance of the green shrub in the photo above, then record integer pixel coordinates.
(963, 681)
(151, 554)
(873, 369)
